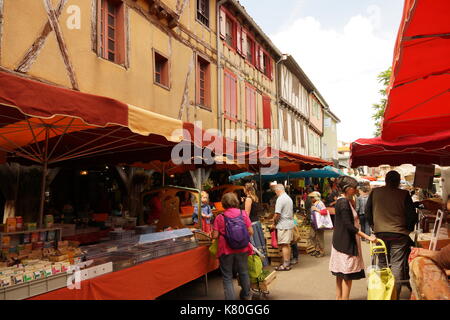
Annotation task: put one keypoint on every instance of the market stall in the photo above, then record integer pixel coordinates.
(147, 280)
(415, 123)
(47, 125)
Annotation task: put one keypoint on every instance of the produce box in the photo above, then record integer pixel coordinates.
(264, 286)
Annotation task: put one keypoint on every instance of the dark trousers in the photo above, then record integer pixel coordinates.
(240, 262)
(364, 224)
(294, 249)
(398, 250)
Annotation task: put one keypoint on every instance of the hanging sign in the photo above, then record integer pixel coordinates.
(423, 177)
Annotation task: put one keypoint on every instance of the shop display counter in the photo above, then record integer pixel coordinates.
(144, 281)
(36, 287)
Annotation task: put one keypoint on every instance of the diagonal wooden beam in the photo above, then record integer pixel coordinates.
(1, 27)
(31, 55)
(53, 19)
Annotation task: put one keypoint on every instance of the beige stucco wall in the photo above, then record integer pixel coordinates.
(24, 21)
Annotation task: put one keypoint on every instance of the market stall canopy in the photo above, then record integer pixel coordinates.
(49, 125)
(287, 161)
(416, 120)
(414, 150)
(326, 172)
(169, 167)
(419, 91)
(35, 117)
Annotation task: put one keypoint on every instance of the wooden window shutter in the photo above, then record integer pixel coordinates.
(270, 68)
(239, 33)
(233, 97)
(261, 59)
(227, 91)
(223, 19)
(266, 113)
(294, 136)
(285, 125)
(244, 44)
(256, 56)
(302, 135)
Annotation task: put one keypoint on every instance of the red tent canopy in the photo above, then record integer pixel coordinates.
(419, 93)
(416, 122)
(414, 150)
(287, 161)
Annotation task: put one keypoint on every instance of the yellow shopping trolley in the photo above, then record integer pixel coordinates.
(381, 284)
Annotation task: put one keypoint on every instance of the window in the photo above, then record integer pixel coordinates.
(203, 11)
(203, 83)
(250, 103)
(230, 99)
(111, 24)
(230, 33)
(161, 69)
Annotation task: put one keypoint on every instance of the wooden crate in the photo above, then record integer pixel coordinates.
(264, 286)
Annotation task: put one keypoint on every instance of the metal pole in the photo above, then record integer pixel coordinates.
(199, 187)
(44, 177)
(260, 186)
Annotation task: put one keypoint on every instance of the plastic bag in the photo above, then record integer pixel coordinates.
(381, 285)
(321, 222)
(214, 247)
(274, 240)
(255, 267)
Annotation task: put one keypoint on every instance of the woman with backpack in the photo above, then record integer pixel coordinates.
(233, 229)
(251, 204)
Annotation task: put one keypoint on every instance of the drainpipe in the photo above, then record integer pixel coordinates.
(219, 67)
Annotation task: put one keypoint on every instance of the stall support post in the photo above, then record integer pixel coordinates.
(260, 186)
(43, 182)
(199, 187)
(196, 178)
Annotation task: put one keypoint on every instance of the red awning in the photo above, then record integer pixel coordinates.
(416, 122)
(414, 150)
(35, 117)
(288, 162)
(419, 93)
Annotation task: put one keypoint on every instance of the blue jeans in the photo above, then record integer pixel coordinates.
(240, 261)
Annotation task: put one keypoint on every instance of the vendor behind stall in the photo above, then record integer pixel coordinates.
(155, 207)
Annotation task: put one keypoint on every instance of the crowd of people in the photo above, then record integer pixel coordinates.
(360, 214)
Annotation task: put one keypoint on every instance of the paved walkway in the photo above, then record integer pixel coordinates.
(308, 280)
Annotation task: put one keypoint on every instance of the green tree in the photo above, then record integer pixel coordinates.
(379, 108)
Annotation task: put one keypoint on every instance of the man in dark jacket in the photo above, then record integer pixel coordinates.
(391, 214)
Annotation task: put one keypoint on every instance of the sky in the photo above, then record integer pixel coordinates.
(342, 45)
